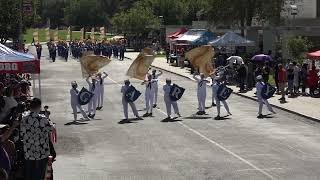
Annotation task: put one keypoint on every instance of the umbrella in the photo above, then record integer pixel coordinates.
(235, 60)
(261, 57)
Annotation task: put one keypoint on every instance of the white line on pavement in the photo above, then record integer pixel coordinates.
(217, 144)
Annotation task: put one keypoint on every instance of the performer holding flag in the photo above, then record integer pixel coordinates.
(93, 88)
(101, 89)
(168, 100)
(201, 92)
(149, 94)
(125, 102)
(155, 76)
(221, 94)
(262, 99)
(74, 92)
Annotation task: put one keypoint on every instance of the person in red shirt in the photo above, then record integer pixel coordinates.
(282, 79)
(313, 80)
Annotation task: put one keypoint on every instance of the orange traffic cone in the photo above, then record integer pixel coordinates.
(49, 168)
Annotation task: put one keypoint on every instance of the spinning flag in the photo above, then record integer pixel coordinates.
(140, 66)
(201, 58)
(268, 91)
(224, 92)
(36, 35)
(84, 96)
(91, 64)
(69, 34)
(132, 94)
(176, 92)
(102, 33)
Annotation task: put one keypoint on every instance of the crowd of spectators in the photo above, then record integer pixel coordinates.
(25, 131)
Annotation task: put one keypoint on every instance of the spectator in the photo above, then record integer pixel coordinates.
(276, 74)
(304, 78)
(296, 78)
(282, 78)
(265, 72)
(39, 50)
(3, 174)
(35, 130)
(313, 80)
(250, 80)
(290, 78)
(242, 73)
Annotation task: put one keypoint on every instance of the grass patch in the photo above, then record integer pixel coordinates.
(62, 34)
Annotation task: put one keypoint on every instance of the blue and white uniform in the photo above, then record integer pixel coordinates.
(169, 102)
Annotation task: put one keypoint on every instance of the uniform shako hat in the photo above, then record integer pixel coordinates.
(259, 77)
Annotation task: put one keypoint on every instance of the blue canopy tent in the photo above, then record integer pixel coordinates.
(196, 37)
(231, 39)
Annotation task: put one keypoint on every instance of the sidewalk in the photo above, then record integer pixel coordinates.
(303, 106)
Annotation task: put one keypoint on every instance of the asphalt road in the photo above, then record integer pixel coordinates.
(284, 146)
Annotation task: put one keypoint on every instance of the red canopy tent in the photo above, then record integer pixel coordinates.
(178, 33)
(15, 62)
(314, 55)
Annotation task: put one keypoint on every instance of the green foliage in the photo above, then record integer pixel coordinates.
(53, 10)
(137, 20)
(9, 19)
(298, 47)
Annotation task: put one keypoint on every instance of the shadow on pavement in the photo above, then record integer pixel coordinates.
(76, 123)
(198, 117)
(126, 121)
(166, 120)
(223, 118)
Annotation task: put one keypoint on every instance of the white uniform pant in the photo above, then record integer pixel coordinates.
(149, 101)
(264, 101)
(201, 101)
(75, 111)
(219, 104)
(155, 94)
(125, 108)
(170, 103)
(92, 105)
(100, 97)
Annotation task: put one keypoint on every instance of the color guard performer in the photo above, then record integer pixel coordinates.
(259, 86)
(93, 87)
(149, 94)
(101, 89)
(215, 90)
(74, 92)
(156, 76)
(168, 101)
(201, 92)
(125, 102)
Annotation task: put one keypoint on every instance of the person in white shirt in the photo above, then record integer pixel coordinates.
(101, 89)
(259, 86)
(149, 94)
(215, 88)
(168, 101)
(201, 92)
(74, 93)
(93, 87)
(155, 95)
(125, 102)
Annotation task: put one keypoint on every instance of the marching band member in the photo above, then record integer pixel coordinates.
(125, 102)
(100, 94)
(260, 84)
(149, 94)
(215, 89)
(155, 76)
(213, 95)
(201, 92)
(93, 87)
(74, 92)
(168, 101)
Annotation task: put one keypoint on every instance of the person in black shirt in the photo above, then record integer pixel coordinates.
(290, 78)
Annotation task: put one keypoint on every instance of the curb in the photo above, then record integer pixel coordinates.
(247, 97)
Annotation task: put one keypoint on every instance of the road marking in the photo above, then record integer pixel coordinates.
(263, 171)
(267, 169)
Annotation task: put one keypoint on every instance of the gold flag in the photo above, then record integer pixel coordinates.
(92, 34)
(69, 34)
(47, 32)
(82, 34)
(91, 64)
(56, 35)
(102, 33)
(140, 66)
(201, 58)
(36, 35)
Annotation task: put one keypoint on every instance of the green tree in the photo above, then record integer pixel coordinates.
(137, 20)
(298, 47)
(53, 10)
(9, 19)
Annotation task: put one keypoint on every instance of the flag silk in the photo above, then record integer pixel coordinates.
(56, 35)
(84, 96)
(224, 92)
(102, 33)
(36, 35)
(92, 34)
(140, 66)
(69, 34)
(132, 94)
(176, 92)
(82, 34)
(268, 91)
(201, 58)
(91, 64)
(47, 31)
